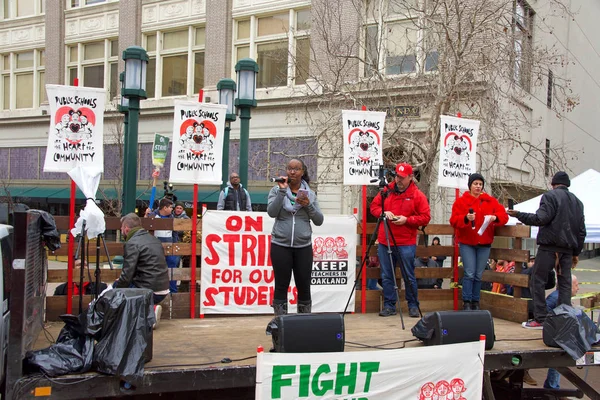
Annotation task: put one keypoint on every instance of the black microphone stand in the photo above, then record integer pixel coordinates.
(80, 254)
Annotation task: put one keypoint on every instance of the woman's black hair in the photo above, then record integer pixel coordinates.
(436, 238)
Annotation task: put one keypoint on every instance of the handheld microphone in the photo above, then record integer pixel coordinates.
(472, 222)
(278, 180)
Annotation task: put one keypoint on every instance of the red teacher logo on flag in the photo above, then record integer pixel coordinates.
(197, 137)
(74, 125)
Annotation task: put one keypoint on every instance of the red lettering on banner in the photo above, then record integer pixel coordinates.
(214, 256)
(236, 224)
(261, 275)
(241, 296)
(233, 223)
(231, 239)
(294, 299)
(227, 275)
(248, 245)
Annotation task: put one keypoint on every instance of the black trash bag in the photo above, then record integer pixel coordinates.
(49, 231)
(570, 329)
(72, 352)
(121, 320)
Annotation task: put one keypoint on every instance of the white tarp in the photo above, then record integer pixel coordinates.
(586, 186)
(453, 371)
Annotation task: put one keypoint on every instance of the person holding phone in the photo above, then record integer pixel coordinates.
(294, 206)
(468, 214)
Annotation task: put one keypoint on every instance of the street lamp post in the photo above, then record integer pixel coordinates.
(134, 89)
(226, 88)
(246, 70)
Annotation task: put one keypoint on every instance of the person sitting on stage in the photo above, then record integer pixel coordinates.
(165, 210)
(430, 262)
(406, 209)
(144, 263)
(89, 287)
(468, 215)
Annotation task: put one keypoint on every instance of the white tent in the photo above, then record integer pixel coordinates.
(586, 187)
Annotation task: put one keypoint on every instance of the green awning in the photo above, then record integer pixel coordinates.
(62, 195)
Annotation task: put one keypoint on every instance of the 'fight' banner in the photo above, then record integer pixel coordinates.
(363, 146)
(237, 275)
(76, 134)
(453, 371)
(458, 151)
(197, 150)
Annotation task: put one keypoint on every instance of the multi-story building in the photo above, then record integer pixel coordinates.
(532, 70)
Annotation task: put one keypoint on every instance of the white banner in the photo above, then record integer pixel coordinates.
(237, 275)
(363, 146)
(458, 151)
(76, 134)
(197, 150)
(448, 372)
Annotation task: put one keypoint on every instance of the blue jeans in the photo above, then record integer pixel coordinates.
(552, 379)
(372, 284)
(172, 262)
(407, 257)
(474, 259)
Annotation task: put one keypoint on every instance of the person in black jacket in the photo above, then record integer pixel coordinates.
(144, 263)
(560, 240)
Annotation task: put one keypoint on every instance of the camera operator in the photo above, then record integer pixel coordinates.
(406, 208)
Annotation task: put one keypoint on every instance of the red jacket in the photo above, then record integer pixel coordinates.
(482, 206)
(412, 204)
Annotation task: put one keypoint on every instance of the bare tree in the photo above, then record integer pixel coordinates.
(419, 59)
(112, 193)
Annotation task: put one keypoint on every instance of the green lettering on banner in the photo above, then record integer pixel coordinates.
(341, 379)
(326, 385)
(278, 381)
(369, 368)
(159, 150)
(318, 384)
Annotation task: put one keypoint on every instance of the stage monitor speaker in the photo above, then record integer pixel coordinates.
(462, 326)
(309, 333)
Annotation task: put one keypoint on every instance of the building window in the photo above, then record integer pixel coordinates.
(550, 88)
(83, 3)
(95, 64)
(280, 43)
(523, 43)
(392, 40)
(176, 66)
(22, 74)
(21, 8)
(547, 158)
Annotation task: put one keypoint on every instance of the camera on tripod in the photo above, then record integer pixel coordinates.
(169, 192)
(384, 176)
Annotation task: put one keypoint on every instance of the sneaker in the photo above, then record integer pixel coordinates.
(528, 379)
(157, 313)
(413, 312)
(475, 305)
(387, 312)
(532, 324)
(467, 305)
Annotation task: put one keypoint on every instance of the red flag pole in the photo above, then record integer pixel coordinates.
(363, 289)
(194, 239)
(71, 247)
(455, 256)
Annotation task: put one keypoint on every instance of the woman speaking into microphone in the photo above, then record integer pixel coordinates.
(293, 205)
(468, 215)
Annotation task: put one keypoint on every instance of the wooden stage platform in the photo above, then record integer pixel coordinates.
(220, 352)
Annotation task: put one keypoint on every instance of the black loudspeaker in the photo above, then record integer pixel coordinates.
(309, 333)
(459, 327)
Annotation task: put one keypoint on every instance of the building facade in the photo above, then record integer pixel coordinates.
(315, 58)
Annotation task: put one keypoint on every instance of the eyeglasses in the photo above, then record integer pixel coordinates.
(294, 169)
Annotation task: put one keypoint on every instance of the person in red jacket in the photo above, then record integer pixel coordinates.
(406, 208)
(468, 215)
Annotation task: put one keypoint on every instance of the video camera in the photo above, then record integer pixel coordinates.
(169, 192)
(383, 176)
